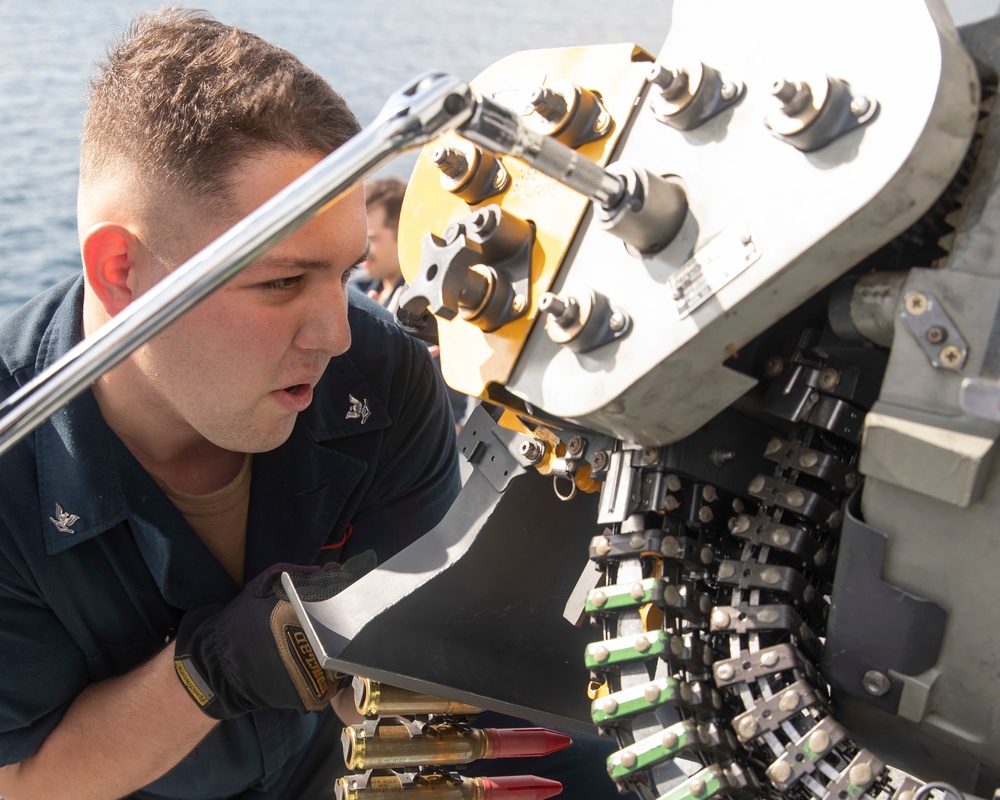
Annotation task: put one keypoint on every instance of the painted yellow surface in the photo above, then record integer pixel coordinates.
(473, 361)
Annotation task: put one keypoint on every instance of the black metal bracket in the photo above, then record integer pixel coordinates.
(473, 609)
(873, 625)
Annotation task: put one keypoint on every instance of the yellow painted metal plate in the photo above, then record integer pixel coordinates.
(472, 359)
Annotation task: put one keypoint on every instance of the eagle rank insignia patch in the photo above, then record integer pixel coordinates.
(63, 521)
(358, 409)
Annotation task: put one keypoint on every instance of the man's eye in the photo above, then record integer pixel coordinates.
(349, 272)
(280, 284)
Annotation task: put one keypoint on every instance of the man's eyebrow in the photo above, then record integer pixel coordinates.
(271, 261)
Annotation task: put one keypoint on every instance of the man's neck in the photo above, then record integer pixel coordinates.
(387, 288)
(182, 459)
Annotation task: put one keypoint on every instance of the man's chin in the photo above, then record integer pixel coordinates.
(256, 441)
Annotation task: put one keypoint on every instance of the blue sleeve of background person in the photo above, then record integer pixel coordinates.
(417, 477)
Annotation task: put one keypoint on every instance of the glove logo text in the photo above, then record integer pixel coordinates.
(298, 645)
(193, 681)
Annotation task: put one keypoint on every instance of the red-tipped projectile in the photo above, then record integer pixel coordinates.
(519, 787)
(515, 742)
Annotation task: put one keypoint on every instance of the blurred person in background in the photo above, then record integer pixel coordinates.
(385, 284)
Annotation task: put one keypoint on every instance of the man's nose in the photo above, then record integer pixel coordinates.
(325, 328)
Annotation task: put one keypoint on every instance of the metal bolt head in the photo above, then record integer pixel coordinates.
(774, 366)
(728, 90)
(720, 456)
(860, 106)
(531, 450)
(876, 683)
(789, 700)
(517, 305)
(784, 90)
(936, 334)
(548, 103)
(451, 162)
(861, 774)
(915, 303)
(649, 455)
(671, 82)
(618, 321)
(599, 461)
(819, 742)
(780, 771)
(575, 446)
(747, 728)
(725, 672)
(828, 378)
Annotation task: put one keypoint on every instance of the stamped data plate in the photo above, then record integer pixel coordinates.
(712, 267)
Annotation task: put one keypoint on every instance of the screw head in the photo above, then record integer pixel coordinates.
(575, 446)
(876, 683)
(599, 460)
(617, 322)
(951, 355)
(518, 303)
(828, 378)
(774, 366)
(728, 90)
(916, 303)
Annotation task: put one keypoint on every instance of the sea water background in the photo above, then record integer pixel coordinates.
(365, 49)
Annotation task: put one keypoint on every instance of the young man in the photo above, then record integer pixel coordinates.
(383, 201)
(139, 654)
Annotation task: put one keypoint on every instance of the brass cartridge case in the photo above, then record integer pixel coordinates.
(393, 746)
(389, 787)
(376, 699)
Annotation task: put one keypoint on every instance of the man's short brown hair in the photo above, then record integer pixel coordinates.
(182, 98)
(388, 193)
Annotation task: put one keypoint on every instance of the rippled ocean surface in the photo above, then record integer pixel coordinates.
(365, 49)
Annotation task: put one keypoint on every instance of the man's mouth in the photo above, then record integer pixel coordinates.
(298, 387)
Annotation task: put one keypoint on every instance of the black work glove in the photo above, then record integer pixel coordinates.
(252, 652)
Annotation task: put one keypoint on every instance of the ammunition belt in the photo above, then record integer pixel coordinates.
(712, 625)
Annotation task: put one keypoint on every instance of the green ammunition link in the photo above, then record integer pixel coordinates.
(623, 596)
(710, 782)
(635, 700)
(626, 649)
(653, 750)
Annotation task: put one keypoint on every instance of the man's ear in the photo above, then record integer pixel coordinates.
(109, 260)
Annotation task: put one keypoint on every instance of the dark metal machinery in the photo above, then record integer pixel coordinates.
(760, 382)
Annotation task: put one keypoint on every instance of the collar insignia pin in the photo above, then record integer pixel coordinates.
(358, 409)
(64, 522)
